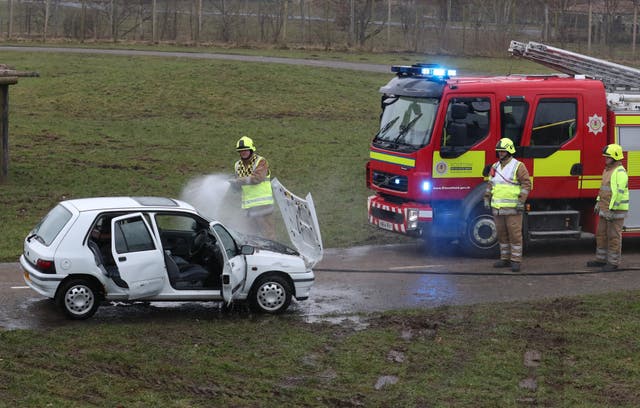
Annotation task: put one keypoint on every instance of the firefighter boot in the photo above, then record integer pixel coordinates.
(503, 263)
(515, 266)
(596, 263)
(609, 268)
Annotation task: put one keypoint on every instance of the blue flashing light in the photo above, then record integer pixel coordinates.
(430, 71)
(396, 181)
(426, 186)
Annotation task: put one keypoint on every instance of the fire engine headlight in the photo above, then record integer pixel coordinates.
(426, 186)
(412, 218)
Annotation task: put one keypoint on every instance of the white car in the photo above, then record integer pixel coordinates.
(88, 250)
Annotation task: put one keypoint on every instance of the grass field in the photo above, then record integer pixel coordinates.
(580, 352)
(94, 125)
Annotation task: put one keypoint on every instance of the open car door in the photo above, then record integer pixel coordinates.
(301, 222)
(138, 255)
(234, 270)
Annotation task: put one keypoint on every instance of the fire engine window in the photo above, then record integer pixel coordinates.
(467, 122)
(554, 123)
(513, 115)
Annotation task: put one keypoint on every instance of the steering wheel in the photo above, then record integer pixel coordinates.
(198, 242)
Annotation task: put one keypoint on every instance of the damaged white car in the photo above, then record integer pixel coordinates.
(88, 250)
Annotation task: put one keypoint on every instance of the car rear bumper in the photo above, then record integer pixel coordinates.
(43, 283)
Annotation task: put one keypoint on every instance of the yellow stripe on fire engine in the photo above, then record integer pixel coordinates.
(627, 119)
(469, 164)
(557, 165)
(390, 158)
(587, 182)
(633, 163)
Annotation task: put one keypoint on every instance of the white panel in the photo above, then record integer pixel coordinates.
(629, 137)
(633, 219)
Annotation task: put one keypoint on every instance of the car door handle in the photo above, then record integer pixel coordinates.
(122, 258)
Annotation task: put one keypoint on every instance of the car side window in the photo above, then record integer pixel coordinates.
(227, 241)
(513, 114)
(554, 122)
(176, 222)
(132, 235)
(467, 122)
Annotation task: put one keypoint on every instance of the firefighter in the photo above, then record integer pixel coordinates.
(253, 176)
(612, 205)
(506, 193)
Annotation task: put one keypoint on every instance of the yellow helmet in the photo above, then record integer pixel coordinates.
(245, 143)
(614, 151)
(505, 145)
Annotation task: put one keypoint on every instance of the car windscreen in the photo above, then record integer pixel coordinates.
(50, 226)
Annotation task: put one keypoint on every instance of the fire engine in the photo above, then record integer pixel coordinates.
(429, 161)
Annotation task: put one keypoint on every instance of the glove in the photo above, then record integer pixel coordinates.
(596, 210)
(235, 183)
(487, 204)
(520, 206)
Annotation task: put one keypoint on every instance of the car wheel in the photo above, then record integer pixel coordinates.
(270, 294)
(480, 238)
(78, 299)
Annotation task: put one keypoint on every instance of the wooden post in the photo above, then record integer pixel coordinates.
(7, 77)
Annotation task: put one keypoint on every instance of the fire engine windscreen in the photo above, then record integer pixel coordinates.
(407, 122)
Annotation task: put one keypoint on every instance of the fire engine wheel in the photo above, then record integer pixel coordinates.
(481, 237)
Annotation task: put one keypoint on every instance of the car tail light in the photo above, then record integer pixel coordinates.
(45, 266)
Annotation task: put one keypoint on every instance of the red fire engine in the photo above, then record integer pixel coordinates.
(429, 161)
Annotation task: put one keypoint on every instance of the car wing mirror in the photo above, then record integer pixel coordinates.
(247, 250)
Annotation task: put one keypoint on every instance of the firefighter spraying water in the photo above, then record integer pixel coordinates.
(429, 161)
(212, 196)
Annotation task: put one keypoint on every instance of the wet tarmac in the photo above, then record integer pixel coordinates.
(369, 279)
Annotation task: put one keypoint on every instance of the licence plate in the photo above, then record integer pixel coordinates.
(385, 225)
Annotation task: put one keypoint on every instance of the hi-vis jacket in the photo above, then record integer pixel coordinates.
(509, 184)
(255, 178)
(613, 198)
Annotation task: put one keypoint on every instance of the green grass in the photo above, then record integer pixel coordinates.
(96, 125)
(451, 356)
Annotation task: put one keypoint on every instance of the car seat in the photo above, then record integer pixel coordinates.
(111, 270)
(186, 275)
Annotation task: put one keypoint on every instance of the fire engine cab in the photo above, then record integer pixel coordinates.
(429, 161)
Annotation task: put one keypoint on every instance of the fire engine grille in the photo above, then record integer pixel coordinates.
(387, 215)
(390, 181)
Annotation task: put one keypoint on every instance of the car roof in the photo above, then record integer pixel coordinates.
(127, 203)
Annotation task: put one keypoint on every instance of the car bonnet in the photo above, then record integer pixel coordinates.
(301, 223)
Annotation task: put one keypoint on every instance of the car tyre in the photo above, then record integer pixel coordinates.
(270, 294)
(78, 298)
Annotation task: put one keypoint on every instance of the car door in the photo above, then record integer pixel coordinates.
(138, 255)
(234, 269)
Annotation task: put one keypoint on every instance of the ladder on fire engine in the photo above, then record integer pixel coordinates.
(615, 77)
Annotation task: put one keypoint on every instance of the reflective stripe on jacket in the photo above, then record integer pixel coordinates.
(505, 187)
(619, 190)
(614, 191)
(254, 195)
